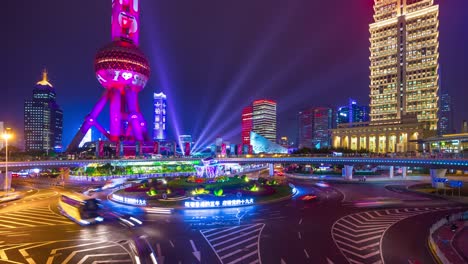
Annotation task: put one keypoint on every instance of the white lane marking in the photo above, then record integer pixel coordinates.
(300, 221)
(195, 252)
(170, 242)
(83, 260)
(3, 254)
(306, 253)
(54, 251)
(299, 235)
(25, 254)
(79, 251)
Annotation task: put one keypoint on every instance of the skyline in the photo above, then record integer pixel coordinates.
(183, 72)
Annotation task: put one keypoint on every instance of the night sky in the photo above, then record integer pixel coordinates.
(212, 57)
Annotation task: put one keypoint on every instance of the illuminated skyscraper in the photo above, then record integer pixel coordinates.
(160, 108)
(264, 118)
(305, 125)
(445, 115)
(404, 67)
(247, 124)
(322, 125)
(352, 113)
(43, 118)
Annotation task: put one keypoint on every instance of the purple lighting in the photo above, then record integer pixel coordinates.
(123, 70)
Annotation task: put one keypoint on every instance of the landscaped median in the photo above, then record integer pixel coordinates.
(197, 193)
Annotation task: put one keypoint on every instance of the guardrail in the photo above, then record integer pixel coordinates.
(433, 245)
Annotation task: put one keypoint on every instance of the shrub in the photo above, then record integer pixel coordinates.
(218, 192)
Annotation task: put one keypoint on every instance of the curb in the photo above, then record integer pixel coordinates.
(432, 246)
(435, 195)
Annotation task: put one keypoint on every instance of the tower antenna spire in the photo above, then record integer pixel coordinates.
(45, 79)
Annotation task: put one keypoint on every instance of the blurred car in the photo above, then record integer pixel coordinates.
(308, 197)
(141, 250)
(377, 202)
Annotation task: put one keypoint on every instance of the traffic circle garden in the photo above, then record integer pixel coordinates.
(198, 192)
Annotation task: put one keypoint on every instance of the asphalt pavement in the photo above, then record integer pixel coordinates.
(346, 223)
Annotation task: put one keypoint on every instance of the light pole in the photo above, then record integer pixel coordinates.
(6, 136)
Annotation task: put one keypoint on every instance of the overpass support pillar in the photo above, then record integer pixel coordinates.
(348, 172)
(404, 172)
(437, 173)
(391, 172)
(271, 169)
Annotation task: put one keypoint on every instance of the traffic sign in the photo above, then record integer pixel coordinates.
(442, 180)
(456, 184)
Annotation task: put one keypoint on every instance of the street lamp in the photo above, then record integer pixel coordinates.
(6, 136)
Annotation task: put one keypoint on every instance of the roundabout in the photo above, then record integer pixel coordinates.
(198, 193)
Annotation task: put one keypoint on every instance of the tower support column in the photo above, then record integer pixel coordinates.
(437, 173)
(271, 169)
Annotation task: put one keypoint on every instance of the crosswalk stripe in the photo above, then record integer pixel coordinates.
(358, 241)
(26, 219)
(238, 243)
(361, 230)
(358, 236)
(48, 217)
(237, 251)
(238, 231)
(237, 237)
(16, 222)
(222, 231)
(234, 245)
(244, 257)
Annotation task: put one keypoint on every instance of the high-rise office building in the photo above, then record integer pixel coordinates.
(246, 124)
(305, 128)
(445, 115)
(314, 127)
(352, 113)
(264, 118)
(404, 65)
(404, 79)
(322, 125)
(160, 118)
(43, 118)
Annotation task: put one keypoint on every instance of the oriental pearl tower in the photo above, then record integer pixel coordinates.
(123, 70)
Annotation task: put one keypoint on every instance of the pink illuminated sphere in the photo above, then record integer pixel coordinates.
(120, 65)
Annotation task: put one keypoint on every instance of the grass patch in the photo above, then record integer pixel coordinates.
(280, 192)
(427, 188)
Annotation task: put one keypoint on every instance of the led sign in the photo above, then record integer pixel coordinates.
(225, 203)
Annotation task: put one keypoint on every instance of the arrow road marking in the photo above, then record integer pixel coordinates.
(195, 252)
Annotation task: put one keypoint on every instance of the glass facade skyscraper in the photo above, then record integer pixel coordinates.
(315, 126)
(352, 113)
(43, 118)
(445, 115)
(305, 128)
(264, 118)
(246, 124)
(323, 123)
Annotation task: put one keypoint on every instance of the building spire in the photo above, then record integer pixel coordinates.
(45, 79)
